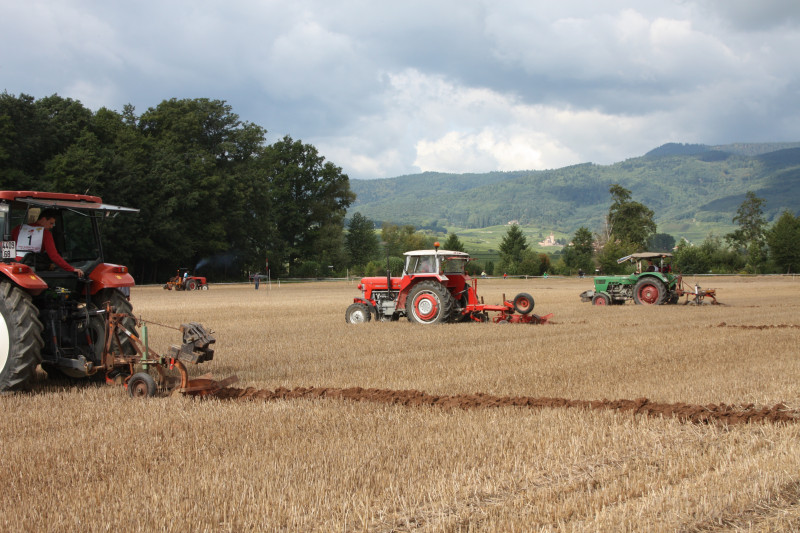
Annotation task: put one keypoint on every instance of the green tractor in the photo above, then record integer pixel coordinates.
(653, 283)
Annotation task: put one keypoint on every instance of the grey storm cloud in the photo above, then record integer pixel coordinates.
(390, 88)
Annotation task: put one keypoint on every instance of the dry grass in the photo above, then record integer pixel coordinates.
(89, 458)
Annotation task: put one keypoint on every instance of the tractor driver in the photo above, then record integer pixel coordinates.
(427, 264)
(32, 238)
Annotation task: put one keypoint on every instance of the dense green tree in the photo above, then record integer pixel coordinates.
(400, 239)
(361, 241)
(513, 245)
(720, 258)
(711, 256)
(193, 198)
(453, 243)
(310, 194)
(578, 255)
(533, 263)
(32, 132)
(691, 259)
(607, 258)
(784, 242)
(660, 242)
(750, 237)
(631, 222)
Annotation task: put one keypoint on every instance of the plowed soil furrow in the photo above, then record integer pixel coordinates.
(760, 326)
(698, 414)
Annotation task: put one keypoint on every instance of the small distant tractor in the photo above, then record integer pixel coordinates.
(77, 327)
(652, 283)
(434, 289)
(183, 281)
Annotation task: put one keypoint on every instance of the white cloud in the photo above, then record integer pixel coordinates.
(389, 89)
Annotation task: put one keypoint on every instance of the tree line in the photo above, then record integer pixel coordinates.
(216, 198)
(629, 228)
(212, 194)
(753, 248)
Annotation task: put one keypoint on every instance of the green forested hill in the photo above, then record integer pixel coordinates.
(686, 185)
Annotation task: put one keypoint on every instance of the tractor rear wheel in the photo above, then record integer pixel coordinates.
(191, 285)
(357, 313)
(120, 304)
(429, 302)
(648, 291)
(523, 303)
(20, 338)
(601, 299)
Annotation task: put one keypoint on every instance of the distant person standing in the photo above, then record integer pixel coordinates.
(256, 280)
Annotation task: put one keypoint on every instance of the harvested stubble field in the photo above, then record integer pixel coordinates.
(89, 458)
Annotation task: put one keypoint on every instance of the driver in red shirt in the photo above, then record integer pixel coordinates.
(38, 240)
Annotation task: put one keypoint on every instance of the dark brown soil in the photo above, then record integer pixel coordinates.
(762, 326)
(699, 414)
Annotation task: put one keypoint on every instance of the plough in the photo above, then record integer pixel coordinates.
(124, 352)
(696, 296)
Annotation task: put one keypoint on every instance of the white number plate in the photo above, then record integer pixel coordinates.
(9, 250)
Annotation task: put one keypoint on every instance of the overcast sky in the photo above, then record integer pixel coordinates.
(390, 88)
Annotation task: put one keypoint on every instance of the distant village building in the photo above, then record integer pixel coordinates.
(549, 241)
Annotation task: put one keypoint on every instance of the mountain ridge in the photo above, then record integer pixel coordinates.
(682, 183)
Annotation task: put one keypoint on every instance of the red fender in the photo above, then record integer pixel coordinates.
(24, 277)
(108, 276)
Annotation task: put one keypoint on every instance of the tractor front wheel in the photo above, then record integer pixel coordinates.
(357, 313)
(523, 303)
(20, 338)
(648, 292)
(429, 302)
(601, 299)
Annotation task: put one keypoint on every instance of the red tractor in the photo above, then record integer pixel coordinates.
(49, 315)
(184, 281)
(433, 289)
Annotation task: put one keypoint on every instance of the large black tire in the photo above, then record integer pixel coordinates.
(191, 285)
(20, 338)
(357, 313)
(429, 302)
(648, 291)
(673, 298)
(142, 385)
(523, 303)
(121, 305)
